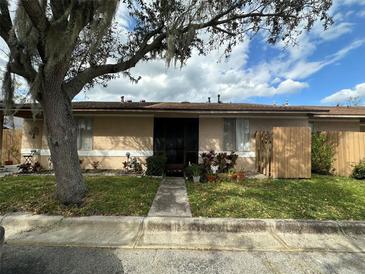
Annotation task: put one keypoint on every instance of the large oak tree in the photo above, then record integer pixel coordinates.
(61, 47)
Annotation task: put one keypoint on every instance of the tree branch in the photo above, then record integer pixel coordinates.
(20, 64)
(213, 22)
(27, 74)
(225, 31)
(58, 8)
(36, 14)
(76, 84)
(5, 21)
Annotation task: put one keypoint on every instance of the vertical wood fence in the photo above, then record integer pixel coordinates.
(349, 150)
(11, 147)
(284, 153)
(264, 152)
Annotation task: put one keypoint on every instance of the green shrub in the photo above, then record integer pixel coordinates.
(323, 153)
(193, 170)
(359, 170)
(156, 165)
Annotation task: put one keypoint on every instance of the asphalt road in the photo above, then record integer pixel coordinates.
(32, 259)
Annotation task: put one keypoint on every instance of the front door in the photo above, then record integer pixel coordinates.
(177, 138)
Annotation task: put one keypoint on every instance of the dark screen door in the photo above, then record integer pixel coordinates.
(178, 139)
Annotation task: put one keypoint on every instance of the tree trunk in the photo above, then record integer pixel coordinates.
(62, 141)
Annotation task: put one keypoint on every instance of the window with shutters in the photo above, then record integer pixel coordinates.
(236, 135)
(84, 134)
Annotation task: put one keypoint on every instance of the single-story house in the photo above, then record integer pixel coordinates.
(108, 131)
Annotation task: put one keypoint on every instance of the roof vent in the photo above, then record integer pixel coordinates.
(209, 100)
(185, 102)
(143, 101)
(122, 99)
(219, 99)
(129, 101)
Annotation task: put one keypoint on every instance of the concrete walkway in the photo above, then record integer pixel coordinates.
(171, 199)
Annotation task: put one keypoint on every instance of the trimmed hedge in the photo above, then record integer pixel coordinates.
(359, 170)
(156, 165)
(323, 154)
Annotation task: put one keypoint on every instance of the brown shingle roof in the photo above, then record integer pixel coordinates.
(185, 106)
(204, 107)
(356, 110)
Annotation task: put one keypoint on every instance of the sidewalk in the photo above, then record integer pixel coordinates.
(171, 199)
(185, 233)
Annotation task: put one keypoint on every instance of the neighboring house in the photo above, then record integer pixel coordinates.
(110, 130)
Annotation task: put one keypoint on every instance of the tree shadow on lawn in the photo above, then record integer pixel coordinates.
(110, 195)
(299, 199)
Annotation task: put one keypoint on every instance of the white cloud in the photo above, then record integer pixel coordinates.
(361, 13)
(304, 69)
(289, 86)
(202, 77)
(348, 2)
(345, 95)
(336, 31)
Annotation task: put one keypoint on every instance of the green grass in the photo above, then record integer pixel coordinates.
(321, 198)
(106, 196)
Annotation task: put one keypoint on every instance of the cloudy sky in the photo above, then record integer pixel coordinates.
(324, 68)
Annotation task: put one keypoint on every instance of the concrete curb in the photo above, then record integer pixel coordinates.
(184, 233)
(223, 225)
(19, 223)
(253, 225)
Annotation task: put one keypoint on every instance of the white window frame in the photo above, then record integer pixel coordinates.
(82, 143)
(241, 135)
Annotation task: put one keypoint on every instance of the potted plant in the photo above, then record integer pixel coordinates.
(194, 170)
(241, 175)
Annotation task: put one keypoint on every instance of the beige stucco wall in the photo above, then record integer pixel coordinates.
(211, 134)
(121, 134)
(28, 142)
(343, 125)
(211, 130)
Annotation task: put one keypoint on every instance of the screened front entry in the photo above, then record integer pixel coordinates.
(178, 139)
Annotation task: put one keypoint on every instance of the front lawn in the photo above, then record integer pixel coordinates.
(321, 198)
(109, 195)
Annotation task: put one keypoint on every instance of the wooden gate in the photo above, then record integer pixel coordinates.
(264, 152)
(349, 150)
(284, 153)
(11, 149)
